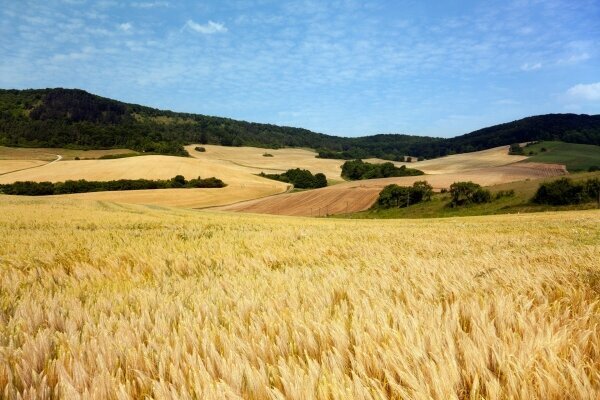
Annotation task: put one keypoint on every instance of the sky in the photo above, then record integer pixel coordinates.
(341, 67)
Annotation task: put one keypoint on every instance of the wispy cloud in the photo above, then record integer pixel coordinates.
(582, 91)
(125, 27)
(531, 66)
(208, 29)
(150, 4)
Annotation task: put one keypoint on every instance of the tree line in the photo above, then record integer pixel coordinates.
(29, 188)
(77, 119)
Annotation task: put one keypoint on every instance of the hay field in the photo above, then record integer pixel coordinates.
(49, 154)
(251, 160)
(7, 166)
(241, 185)
(108, 301)
(360, 195)
(495, 157)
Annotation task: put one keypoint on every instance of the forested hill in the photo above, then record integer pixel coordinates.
(75, 118)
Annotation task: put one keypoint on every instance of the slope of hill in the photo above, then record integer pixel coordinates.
(75, 118)
(576, 157)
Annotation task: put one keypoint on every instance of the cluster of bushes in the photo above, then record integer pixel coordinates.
(564, 191)
(300, 178)
(403, 196)
(358, 169)
(29, 188)
(465, 193)
(505, 193)
(515, 149)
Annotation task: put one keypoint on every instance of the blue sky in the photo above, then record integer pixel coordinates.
(341, 67)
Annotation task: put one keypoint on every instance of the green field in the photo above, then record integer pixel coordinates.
(519, 203)
(577, 157)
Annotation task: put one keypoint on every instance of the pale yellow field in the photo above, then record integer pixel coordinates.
(49, 154)
(251, 159)
(240, 185)
(7, 166)
(238, 167)
(496, 157)
(108, 301)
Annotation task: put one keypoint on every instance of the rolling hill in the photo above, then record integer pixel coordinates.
(77, 119)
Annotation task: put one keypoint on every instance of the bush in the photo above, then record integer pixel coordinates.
(200, 149)
(560, 192)
(267, 155)
(358, 170)
(464, 193)
(593, 168)
(505, 193)
(300, 178)
(515, 149)
(402, 196)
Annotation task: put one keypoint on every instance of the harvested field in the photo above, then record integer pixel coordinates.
(251, 159)
(7, 166)
(359, 195)
(112, 301)
(241, 185)
(495, 157)
(49, 154)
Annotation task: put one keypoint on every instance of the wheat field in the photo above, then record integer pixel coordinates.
(106, 301)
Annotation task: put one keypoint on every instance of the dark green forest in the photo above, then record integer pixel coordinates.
(77, 119)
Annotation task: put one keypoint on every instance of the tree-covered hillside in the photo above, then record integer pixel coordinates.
(75, 118)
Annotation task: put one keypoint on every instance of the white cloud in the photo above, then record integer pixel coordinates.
(590, 91)
(209, 28)
(125, 27)
(150, 4)
(531, 67)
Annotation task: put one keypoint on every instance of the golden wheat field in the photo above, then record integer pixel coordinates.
(106, 301)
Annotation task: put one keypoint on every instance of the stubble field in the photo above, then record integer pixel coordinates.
(109, 301)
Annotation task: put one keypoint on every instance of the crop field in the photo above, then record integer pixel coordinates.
(575, 156)
(251, 159)
(49, 154)
(241, 185)
(357, 196)
(110, 301)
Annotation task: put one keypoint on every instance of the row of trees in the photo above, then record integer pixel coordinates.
(29, 188)
(300, 178)
(358, 169)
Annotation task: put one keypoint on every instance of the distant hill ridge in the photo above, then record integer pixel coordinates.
(75, 118)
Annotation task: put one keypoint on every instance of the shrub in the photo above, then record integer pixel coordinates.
(464, 193)
(200, 149)
(267, 155)
(358, 170)
(594, 168)
(402, 196)
(300, 178)
(504, 193)
(559, 192)
(77, 158)
(515, 149)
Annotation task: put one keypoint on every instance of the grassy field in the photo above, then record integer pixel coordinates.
(115, 301)
(577, 157)
(519, 203)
